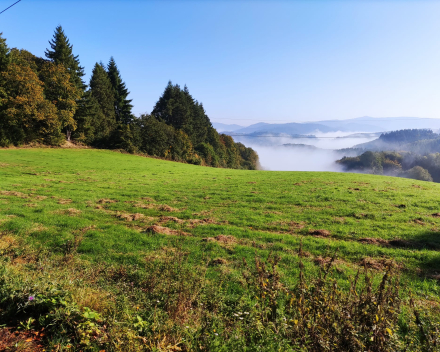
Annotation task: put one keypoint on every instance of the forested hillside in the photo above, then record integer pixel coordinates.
(46, 101)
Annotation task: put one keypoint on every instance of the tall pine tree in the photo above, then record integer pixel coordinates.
(101, 89)
(4, 54)
(61, 53)
(123, 105)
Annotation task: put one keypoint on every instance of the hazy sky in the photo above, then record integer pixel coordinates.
(251, 61)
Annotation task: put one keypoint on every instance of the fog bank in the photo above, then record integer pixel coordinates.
(303, 154)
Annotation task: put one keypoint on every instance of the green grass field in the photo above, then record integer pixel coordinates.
(85, 223)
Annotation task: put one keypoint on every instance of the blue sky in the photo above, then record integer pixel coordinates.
(251, 61)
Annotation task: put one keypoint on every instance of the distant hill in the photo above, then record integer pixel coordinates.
(361, 124)
(412, 140)
(285, 128)
(222, 127)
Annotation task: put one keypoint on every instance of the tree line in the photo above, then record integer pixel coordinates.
(46, 101)
(400, 164)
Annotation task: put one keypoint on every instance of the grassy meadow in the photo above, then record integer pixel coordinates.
(114, 252)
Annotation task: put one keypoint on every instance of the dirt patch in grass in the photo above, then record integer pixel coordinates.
(15, 194)
(339, 220)
(225, 239)
(375, 264)
(23, 341)
(129, 217)
(107, 201)
(436, 215)
(37, 228)
(321, 233)
(418, 222)
(164, 219)
(64, 201)
(167, 208)
(196, 222)
(39, 197)
(69, 212)
(218, 261)
(165, 231)
(142, 205)
(203, 213)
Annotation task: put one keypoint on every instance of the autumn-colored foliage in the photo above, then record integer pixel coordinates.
(26, 115)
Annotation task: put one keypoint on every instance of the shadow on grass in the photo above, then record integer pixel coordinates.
(429, 240)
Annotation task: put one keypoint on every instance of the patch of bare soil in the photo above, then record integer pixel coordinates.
(375, 264)
(142, 205)
(165, 231)
(203, 213)
(167, 208)
(39, 197)
(419, 222)
(436, 215)
(322, 261)
(107, 201)
(218, 261)
(15, 194)
(62, 181)
(197, 222)
(129, 217)
(23, 341)
(339, 220)
(323, 233)
(69, 212)
(225, 239)
(164, 219)
(64, 201)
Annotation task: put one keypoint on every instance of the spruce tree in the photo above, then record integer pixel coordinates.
(61, 53)
(101, 89)
(123, 105)
(4, 54)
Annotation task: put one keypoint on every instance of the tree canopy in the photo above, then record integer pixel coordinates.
(45, 101)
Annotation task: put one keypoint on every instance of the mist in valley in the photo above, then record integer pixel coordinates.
(304, 154)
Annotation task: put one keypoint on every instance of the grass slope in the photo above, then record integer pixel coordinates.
(105, 209)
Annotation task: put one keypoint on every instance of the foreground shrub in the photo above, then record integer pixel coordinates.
(170, 303)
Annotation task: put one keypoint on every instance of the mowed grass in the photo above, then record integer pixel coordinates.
(106, 204)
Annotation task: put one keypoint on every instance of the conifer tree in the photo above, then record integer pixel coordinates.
(123, 105)
(101, 89)
(61, 53)
(4, 54)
